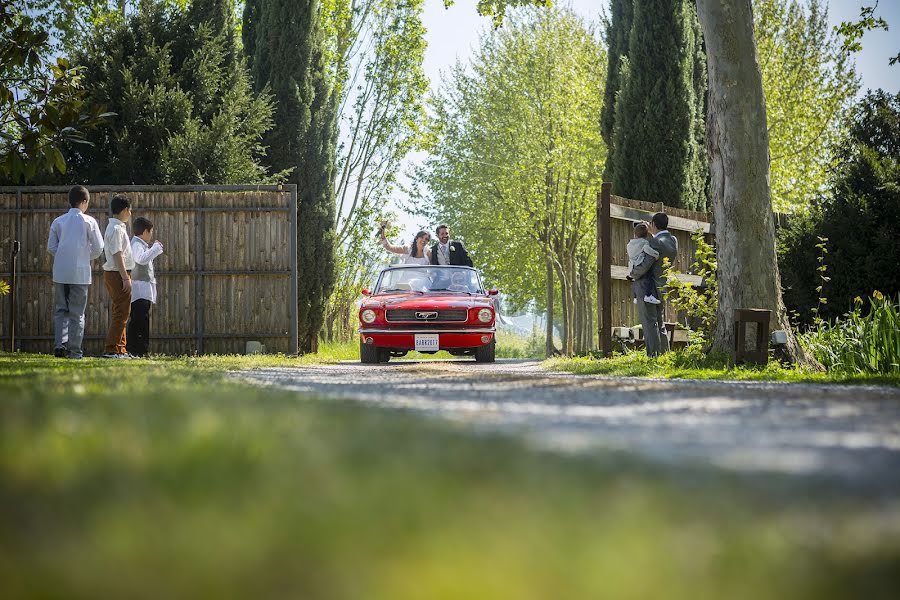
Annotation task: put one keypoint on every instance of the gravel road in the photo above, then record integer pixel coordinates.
(846, 435)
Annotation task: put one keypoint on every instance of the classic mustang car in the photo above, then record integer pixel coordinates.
(427, 309)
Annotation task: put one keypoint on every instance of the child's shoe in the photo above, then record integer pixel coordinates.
(650, 300)
(60, 352)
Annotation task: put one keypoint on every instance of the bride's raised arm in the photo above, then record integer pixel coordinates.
(391, 248)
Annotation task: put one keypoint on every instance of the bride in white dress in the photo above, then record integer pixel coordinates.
(417, 254)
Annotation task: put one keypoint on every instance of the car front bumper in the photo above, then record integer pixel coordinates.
(448, 339)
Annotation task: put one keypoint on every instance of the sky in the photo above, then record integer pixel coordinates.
(453, 34)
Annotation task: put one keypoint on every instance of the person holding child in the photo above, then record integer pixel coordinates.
(117, 276)
(652, 315)
(143, 286)
(74, 242)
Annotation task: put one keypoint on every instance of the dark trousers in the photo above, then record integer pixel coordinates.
(649, 287)
(138, 338)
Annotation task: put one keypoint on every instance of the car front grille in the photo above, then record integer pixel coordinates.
(427, 316)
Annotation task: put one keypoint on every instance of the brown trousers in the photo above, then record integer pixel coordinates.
(121, 308)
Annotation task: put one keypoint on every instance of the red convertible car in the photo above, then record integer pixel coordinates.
(427, 309)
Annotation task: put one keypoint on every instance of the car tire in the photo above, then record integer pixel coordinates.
(486, 353)
(384, 355)
(368, 354)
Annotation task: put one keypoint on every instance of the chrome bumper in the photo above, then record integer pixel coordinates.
(414, 331)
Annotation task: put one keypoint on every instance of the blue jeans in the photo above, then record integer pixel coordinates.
(70, 301)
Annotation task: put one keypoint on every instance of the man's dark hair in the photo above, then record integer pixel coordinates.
(141, 225)
(660, 221)
(77, 195)
(118, 204)
(439, 227)
(640, 230)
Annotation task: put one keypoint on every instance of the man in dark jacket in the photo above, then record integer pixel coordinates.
(652, 316)
(447, 251)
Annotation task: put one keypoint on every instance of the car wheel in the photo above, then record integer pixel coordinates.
(486, 353)
(384, 355)
(368, 354)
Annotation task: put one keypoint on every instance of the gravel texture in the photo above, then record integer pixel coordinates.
(848, 436)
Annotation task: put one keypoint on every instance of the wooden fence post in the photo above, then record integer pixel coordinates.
(604, 280)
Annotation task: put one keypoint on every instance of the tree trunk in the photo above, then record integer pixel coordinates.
(329, 326)
(579, 316)
(549, 349)
(564, 304)
(570, 305)
(589, 309)
(738, 145)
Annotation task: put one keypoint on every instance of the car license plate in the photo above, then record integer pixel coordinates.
(427, 342)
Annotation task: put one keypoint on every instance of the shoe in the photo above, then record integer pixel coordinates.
(110, 355)
(60, 352)
(75, 357)
(635, 300)
(128, 356)
(651, 300)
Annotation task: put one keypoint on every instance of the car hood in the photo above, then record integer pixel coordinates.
(426, 301)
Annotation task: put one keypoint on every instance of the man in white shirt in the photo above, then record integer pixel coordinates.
(74, 242)
(143, 286)
(117, 275)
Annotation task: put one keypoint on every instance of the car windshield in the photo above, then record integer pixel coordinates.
(430, 279)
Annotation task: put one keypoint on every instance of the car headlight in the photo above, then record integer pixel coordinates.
(485, 315)
(368, 316)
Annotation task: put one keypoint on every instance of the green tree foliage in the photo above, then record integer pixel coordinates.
(516, 157)
(43, 103)
(809, 82)
(286, 46)
(381, 119)
(853, 31)
(618, 28)
(186, 113)
(858, 215)
(658, 151)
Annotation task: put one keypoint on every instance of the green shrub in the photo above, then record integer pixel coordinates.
(858, 215)
(699, 303)
(860, 342)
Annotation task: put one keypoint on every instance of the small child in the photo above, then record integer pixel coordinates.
(117, 275)
(637, 247)
(143, 286)
(74, 242)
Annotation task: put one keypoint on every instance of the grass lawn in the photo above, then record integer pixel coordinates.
(162, 479)
(688, 365)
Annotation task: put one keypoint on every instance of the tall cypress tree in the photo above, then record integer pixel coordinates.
(657, 151)
(284, 43)
(617, 31)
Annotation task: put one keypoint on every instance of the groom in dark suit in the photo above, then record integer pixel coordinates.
(652, 316)
(447, 251)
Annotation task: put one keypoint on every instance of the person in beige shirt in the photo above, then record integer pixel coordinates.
(117, 275)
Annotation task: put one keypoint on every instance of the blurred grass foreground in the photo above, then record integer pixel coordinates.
(163, 479)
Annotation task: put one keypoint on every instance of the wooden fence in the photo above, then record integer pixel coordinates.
(228, 274)
(615, 216)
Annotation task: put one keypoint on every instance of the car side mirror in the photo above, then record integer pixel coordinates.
(493, 292)
(366, 292)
